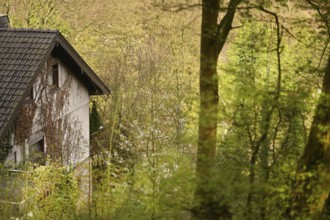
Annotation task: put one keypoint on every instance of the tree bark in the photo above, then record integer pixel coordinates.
(213, 38)
(311, 186)
(325, 214)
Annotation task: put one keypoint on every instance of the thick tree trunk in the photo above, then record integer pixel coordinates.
(213, 37)
(325, 214)
(312, 182)
(207, 134)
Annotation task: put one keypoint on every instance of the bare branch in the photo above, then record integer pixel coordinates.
(176, 7)
(226, 23)
(322, 55)
(276, 128)
(236, 27)
(318, 9)
(279, 34)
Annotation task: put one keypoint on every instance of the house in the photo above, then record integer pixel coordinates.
(45, 89)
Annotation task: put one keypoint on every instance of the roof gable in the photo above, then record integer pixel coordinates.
(72, 59)
(23, 53)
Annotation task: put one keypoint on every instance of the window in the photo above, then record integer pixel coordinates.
(36, 152)
(31, 94)
(37, 147)
(54, 76)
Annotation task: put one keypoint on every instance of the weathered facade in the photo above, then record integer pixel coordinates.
(53, 119)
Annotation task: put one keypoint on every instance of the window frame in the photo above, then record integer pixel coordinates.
(55, 75)
(37, 152)
(30, 95)
(40, 142)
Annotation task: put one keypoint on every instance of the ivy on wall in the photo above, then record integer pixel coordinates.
(24, 123)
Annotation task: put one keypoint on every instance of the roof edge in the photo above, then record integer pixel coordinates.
(83, 65)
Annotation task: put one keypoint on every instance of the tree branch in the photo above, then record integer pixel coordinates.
(176, 7)
(318, 9)
(226, 24)
(278, 52)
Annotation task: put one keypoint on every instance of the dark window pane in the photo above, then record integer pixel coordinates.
(55, 74)
(31, 93)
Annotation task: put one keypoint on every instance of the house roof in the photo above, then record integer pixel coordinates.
(23, 54)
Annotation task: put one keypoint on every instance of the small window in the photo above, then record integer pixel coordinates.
(37, 147)
(31, 94)
(54, 81)
(37, 152)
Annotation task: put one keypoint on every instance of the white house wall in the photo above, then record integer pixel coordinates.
(76, 107)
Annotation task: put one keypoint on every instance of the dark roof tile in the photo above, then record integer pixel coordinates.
(21, 53)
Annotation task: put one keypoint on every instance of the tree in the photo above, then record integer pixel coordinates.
(314, 166)
(311, 193)
(95, 120)
(213, 38)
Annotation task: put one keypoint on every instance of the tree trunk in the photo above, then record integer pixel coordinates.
(325, 214)
(213, 37)
(312, 180)
(207, 133)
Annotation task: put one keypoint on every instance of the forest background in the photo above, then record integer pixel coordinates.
(271, 154)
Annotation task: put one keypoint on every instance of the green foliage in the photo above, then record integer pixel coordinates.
(143, 165)
(52, 193)
(158, 187)
(38, 193)
(37, 14)
(94, 119)
(8, 193)
(5, 148)
(263, 136)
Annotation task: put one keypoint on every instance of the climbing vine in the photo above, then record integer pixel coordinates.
(24, 123)
(47, 114)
